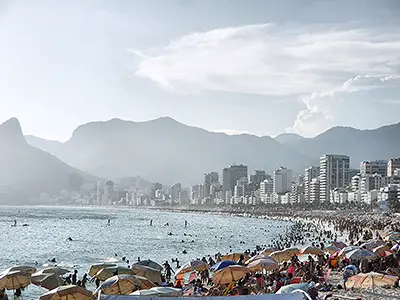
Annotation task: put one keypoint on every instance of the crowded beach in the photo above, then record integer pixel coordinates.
(325, 256)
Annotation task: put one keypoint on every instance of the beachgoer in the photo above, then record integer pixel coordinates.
(3, 295)
(168, 271)
(68, 279)
(151, 222)
(17, 294)
(74, 277)
(186, 223)
(84, 280)
(109, 222)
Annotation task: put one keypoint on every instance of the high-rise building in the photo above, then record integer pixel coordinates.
(282, 181)
(297, 194)
(373, 167)
(266, 189)
(174, 192)
(242, 188)
(195, 192)
(355, 182)
(231, 175)
(334, 174)
(209, 179)
(314, 190)
(183, 197)
(154, 189)
(109, 192)
(373, 182)
(256, 178)
(392, 165)
(309, 174)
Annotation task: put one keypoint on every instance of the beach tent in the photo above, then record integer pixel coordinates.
(125, 284)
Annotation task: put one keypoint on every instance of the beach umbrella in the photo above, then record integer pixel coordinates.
(125, 284)
(67, 292)
(311, 251)
(108, 272)
(222, 264)
(331, 249)
(359, 254)
(338, 244)
(97, 267)
(392, 237)
(12, 280)
(353, 268)
(281, 256)
(383, 251)
(372, 279)
(151, 274)
(257, 257)
(149, 263)
(348, 249)
(263, 264)
(287, 289)
(55, 270)
(229, 274)
(195, 265)
(372, 244)
(234, 256)
(24, 269)
(47, 280)
(160, 291)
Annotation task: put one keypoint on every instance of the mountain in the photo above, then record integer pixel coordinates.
(288, 138)
(27, 171)
(46, 145)
(380, 143)
(166, 151)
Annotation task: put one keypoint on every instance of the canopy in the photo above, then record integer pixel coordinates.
(222, 264)
(159, 292)
(67, 292)
(263, 264)
(125, 284)
(372, 279)
(12, 280)
(24, 269)
(149, 263)
(47, 280)
(55, 270)
(229, 274)
(196, 265)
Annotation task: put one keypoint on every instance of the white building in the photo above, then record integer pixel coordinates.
(392, 165)
(266, 189)
(373, 167)
(309, 174)
(334, 174)
(108, 193)
(314, 191)
(282, 181)
(174, 192)
(373, 182)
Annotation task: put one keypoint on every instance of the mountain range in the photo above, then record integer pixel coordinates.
(26, 171)
(166, 151)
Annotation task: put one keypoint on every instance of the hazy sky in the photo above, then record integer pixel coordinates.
(256, 66)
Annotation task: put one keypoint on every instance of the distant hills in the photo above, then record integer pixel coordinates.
(26, 171)
(166, 151)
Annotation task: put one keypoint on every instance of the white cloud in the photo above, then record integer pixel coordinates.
(360, 100)
(268, 60)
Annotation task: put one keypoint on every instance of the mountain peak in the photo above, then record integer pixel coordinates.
(11, 132)
(288, 137)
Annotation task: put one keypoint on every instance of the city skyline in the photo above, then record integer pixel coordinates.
(282, 66)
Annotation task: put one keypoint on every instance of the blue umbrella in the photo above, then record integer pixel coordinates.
(353, 268)
(222, 265)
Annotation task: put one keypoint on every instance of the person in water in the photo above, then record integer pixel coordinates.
(186, 223)
(109, 222)
(151, 222)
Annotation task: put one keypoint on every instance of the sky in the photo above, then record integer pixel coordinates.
(257, 66)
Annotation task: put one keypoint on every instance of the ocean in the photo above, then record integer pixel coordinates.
(129, 234)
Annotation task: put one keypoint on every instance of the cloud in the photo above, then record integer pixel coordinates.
(362, 100)
(266, 59)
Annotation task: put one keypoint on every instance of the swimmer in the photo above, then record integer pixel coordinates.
(70, 239)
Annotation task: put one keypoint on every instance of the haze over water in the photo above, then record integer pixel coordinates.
(129, 235)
